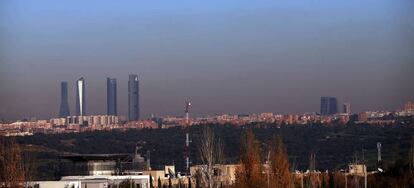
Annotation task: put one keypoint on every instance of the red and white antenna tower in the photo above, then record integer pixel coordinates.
(187, 112)
(187, 135)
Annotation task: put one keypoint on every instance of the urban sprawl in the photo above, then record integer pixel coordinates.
(328, 115)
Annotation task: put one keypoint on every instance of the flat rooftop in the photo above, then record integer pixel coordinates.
(91, 157)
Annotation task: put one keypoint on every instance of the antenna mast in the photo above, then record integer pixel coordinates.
(187, 135)
(187, 112)
(379, 151)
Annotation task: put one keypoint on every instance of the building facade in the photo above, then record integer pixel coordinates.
(346, 108)
(329, 105)
(64, 104)
(111, 96)
(80, 97)
(133, 98)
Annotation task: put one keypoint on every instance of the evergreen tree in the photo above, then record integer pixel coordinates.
(150, 179)
(280, 176)
(249, 174)
(189, 182)
(159, 182)
(323, 182)
(198, 179)
(331, 180)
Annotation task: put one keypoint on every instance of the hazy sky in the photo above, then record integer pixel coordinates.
(227, 56)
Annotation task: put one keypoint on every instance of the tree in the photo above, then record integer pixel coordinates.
(29, 167)
(331, 180)
(411, 156)
(249, 174)
(189, 182)
(312, 179)
(180, 184)
(211, 153)
(198, 179)
(279, 165)
(11, 167)
(323, 185)
(159, 183)
(150, 181)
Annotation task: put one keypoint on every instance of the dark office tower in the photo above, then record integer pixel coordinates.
(80, 97)
(111, 96)
(64, 104)
(329, 106)
(133, 97)
(346, 108)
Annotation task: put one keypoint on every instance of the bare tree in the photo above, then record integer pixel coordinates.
(29, 167)
(211, 153)
(312, 171)
(11, 168)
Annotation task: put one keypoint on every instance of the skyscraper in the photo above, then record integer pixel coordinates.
(111, 102)
(64, 104)
(329, 105)
(80, 97)
(346, 108)
(133, 97)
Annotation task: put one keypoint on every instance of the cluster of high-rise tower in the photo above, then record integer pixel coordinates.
(329, 106)
(111, 98)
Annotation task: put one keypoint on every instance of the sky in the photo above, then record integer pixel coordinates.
(232, 56)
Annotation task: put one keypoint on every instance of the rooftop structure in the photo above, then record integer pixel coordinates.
(101, 164)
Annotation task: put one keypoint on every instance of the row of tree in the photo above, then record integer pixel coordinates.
(254, 172)
(273, 170)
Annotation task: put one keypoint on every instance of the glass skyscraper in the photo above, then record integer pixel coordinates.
(80, 97)
(64, 104)
(111, 102)
(133, 97)
(329, 105)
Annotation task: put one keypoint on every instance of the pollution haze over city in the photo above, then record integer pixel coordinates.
(236, 56)
(207, 94)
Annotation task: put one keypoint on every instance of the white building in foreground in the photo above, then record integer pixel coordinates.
(141, 181)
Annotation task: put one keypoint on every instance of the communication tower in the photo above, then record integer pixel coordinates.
(187, 135)
(379, 151)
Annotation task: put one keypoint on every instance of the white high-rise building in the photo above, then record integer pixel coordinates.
(80, 97)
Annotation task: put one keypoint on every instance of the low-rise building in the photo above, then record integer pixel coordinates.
(225, 174)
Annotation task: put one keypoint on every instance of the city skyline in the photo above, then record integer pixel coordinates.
(234, 93)
(325, 106)
(328, 104)
(236, 57)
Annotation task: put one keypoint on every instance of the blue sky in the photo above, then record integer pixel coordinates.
(227, 56)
